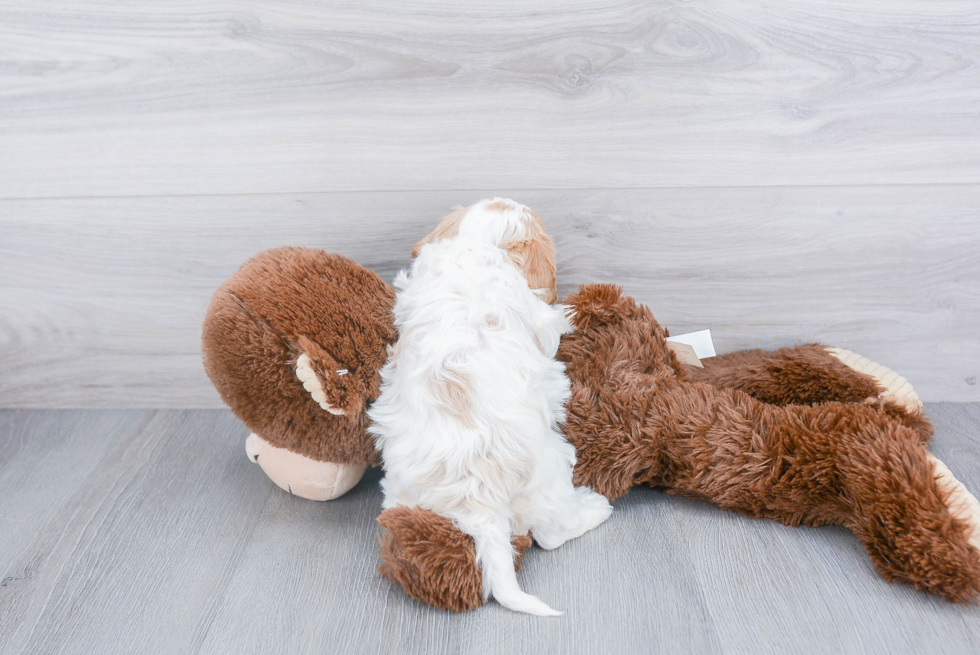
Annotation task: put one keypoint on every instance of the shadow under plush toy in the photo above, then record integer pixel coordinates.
(813, 435)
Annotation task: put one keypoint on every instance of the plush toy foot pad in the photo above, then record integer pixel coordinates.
(961, 503)
(897, 389)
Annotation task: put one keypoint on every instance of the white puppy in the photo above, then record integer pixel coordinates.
(472, 397)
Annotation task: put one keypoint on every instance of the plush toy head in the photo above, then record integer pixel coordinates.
(290, 314)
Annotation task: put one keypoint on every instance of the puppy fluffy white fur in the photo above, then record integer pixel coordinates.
(472, 397)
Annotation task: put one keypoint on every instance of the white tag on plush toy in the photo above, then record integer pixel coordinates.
(685, 354)
(692, 347)
(700, 341)
(342, 371)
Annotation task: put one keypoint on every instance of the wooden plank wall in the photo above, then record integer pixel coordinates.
(805, 171)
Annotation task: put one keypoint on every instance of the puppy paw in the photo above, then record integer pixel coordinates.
(306, 374)
(595, 510)
(592, 511)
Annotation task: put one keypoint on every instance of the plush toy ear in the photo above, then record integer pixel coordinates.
(448, 227)
(336, 389)
(534, 254)
(598, 304)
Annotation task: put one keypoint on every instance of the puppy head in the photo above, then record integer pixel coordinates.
(514, 228)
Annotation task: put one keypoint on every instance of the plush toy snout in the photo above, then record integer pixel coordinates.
(302, 476)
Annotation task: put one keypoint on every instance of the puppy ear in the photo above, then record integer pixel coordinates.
(534, 254)
(448, 227)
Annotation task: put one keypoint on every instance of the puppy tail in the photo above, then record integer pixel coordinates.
(495, 554)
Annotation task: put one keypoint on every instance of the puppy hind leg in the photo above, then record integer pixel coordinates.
(495, 555)
(575, 512)
(595, 508)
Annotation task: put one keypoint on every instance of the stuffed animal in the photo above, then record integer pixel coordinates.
(297, 311)
(812, 435)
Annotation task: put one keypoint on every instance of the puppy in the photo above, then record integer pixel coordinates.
(472, 397)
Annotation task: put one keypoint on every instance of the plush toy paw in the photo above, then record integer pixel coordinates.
(961, 503)
(300, 475)
(897, 390)
(306, 374)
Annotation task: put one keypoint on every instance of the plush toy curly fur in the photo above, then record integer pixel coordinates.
(810, 435)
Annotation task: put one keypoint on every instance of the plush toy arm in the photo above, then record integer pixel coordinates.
(432, 559)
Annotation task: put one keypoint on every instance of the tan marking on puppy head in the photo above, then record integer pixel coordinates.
(534, 254)
(500, 206)
(448, 227)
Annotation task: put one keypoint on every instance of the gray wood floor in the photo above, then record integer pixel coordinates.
(149, 532)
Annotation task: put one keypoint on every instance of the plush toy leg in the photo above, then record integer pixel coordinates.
(894, 388)
(921, 525)
(432, 559)
(812, 374)
(805, 375)
(961, 503)
(300, 475)
(834, 463)
(635, 417)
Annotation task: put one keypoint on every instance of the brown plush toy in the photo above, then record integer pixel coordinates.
(812, 435)
(297, 312)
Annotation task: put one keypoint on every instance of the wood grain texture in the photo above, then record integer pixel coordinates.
(133, 549)
(218, 97)
(101, 300)
(163, 538)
